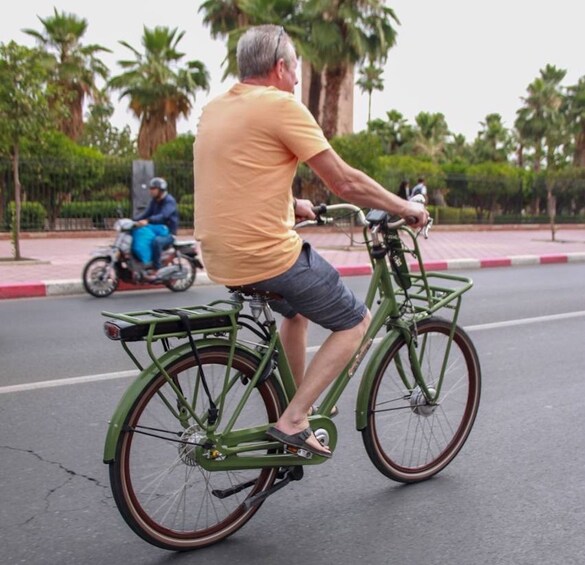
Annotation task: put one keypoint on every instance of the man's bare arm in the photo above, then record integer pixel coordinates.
(358, 188)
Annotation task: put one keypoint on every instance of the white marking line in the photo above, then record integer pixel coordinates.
(525, 321)
(311, 349)
(71, 381)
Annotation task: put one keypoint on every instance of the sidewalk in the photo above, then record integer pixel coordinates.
(55, 263)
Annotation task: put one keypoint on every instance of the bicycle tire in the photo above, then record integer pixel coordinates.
(181, 285)
(406, 438)
(94, 280)
(163, 495)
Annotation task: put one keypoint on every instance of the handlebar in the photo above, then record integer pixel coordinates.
(361, 220)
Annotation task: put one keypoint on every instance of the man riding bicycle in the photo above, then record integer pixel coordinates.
(248, 145)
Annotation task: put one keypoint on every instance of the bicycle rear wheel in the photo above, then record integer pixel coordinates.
(160, 490)
(407, 438)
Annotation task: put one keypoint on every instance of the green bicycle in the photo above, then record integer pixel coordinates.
(189, 460)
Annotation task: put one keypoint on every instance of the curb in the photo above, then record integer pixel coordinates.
(74, 286)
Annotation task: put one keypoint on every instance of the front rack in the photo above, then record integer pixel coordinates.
(429, 291)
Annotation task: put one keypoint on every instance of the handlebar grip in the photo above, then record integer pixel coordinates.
(320, 209)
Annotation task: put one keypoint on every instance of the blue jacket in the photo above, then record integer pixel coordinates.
(162, 212)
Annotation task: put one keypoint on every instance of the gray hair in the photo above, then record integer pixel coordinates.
(259, 49)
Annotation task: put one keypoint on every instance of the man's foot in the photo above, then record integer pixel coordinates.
(305, 439)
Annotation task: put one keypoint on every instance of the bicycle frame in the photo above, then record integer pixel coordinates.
(238, 448)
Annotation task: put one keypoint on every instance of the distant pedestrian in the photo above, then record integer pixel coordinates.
(404, 189)
(419, 188)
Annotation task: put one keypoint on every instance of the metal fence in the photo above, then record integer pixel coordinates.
(90, 195)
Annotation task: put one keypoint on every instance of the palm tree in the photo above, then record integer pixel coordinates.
(345, 33)
(395, 132)
(538, 122)
(76, 67)
(159, 91)
(493, 142)
(370, 80)
(575, 111)
(331, 35)
(430, 136)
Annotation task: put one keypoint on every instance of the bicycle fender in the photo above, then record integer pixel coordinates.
(361, 409)
(129, 397)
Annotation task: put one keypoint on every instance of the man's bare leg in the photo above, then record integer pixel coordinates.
(293, 334)
(325, 367)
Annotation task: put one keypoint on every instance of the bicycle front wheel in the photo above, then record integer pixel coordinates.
(408, 437)
(160, 490)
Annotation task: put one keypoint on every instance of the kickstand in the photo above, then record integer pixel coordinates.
(288, 474)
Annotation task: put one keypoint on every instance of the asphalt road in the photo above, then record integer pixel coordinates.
(514, 495)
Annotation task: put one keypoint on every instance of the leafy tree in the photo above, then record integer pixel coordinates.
(174, 162)
(24, 111)
(159, 90)
(100, 134)
(76, 67)
(370, 80)
(393, 169)
(67, 171)
(490, 184)
(361, 150)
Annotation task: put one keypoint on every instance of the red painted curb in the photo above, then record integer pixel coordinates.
(354, 270)
(23, 290)
(547, 259)
(122, 285)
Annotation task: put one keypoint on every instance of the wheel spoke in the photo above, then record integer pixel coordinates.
(158, 485)
(416, 439)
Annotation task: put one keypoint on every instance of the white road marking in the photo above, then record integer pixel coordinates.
(311, 349)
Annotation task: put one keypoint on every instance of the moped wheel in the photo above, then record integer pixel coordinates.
(409, 438)
(160, 490)
(188, 274)
(98, 278)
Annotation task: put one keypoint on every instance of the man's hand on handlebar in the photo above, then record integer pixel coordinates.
(415, 214)
(304, 209)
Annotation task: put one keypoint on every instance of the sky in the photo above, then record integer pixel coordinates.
(462, 58)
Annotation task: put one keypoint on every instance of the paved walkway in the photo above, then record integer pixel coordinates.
(55, 263)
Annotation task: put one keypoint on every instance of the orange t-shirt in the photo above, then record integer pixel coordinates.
(248, 145)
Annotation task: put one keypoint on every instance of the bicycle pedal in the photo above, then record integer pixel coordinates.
(298, 451)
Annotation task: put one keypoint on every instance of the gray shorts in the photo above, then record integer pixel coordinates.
(313, 288)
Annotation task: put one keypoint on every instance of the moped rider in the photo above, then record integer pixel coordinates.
(156, 226)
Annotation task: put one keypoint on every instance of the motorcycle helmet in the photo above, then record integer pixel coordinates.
(158, 182)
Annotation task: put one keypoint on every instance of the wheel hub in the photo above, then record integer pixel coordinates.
(419, 404)
(191, 438)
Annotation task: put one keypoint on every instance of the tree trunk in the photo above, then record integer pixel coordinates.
(17, 205)
(579, 155)
(333, 79)
(153, 132)
(314, 102)
(551, 204)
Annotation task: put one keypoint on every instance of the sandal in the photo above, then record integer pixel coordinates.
(297, 441)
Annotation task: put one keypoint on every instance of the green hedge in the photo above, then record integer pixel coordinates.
(32, 216)
(540, 219)
(98, 211)
(448, 215)
(185, 215)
